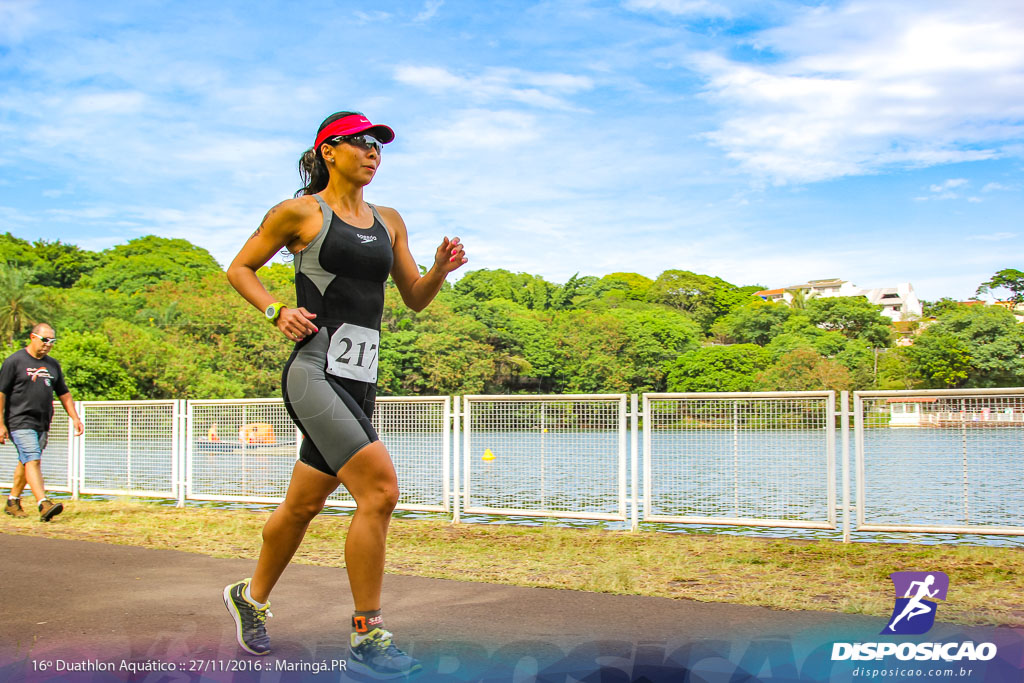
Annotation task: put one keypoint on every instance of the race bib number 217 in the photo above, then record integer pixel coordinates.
(353, 353)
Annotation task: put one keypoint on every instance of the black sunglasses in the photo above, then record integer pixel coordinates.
(45, 340)
(363, 141)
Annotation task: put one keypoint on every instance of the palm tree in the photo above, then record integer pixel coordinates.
(20, 302)
(800, 299)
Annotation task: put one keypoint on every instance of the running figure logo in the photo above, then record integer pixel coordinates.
(913, 613)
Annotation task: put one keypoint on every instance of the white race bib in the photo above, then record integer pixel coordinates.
(353, 353)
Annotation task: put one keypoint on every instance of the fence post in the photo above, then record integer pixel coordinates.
(446, 420)
(648, 427)
(844, 420)
(456, 452)
(74, 448)
(634, 520)
(466, 427)
(182, 436)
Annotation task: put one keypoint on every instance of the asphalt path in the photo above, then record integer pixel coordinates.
(72, 608)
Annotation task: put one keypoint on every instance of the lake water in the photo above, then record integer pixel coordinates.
(912, 476)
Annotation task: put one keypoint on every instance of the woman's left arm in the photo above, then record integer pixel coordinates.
(419, 290)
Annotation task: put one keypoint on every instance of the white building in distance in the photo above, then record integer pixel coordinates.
(898, 303)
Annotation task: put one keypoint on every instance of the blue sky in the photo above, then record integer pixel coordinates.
(762, 142)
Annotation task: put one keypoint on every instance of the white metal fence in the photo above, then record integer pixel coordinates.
(58, 465)
(762, 459)
(244, 450)
(545, 456)
(129, 448)
(925, 461)
(241, 450)
(940, 461)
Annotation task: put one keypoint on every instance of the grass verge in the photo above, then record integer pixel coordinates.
(986, 583)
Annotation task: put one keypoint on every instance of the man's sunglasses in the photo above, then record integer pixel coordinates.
(363, 141)
(45, 340)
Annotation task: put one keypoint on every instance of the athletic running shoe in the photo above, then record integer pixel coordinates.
(48, 510)
(250, 621)
(14, 509)
(376, 657)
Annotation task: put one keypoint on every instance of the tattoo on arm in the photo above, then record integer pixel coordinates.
(263, 222)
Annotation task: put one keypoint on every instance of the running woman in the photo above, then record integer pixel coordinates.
(344, 251)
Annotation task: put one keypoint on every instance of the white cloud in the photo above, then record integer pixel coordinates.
(865, 86)
(947, 190)
(949, 185)
(542, 90)
(17, 18)
(371, 17)
(995, 237)
(429, 10)
(994, 187)
(480, 129)
(680, 7)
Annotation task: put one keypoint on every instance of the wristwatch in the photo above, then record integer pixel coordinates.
(273, 311)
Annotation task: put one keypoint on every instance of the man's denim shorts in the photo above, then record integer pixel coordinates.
(30, 444)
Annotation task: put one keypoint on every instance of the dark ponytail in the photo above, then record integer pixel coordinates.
(313, 172)
(312, 169)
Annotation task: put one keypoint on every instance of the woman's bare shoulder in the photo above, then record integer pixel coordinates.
(390, 216)
(297, 207)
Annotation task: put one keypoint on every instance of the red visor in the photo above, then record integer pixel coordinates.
(350, 125)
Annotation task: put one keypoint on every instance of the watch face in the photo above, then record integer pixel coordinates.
(270, 311)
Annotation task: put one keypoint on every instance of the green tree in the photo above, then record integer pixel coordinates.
(61, 265)
(150, 260)
(18, 253)
(523, 345)
(93, 368)
(853, 317)
(435, 351)
(941, 360)
(756, 322)
(1010, 279)
(936, 309)
(633, 285)
(655, 339)
(20, 301)
(805, 370)
(77, 309)
(703, 297)
(531, 291)
(718, 368)
(590, 350)
(798, 333)
(801, 298)
(895, 369)
(53, 264)
(227, 337)
(859, 359)
(992, 344)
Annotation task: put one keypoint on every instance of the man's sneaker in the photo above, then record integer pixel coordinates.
(376, 657)
(250, 621)
(14, 509)
(48, 509)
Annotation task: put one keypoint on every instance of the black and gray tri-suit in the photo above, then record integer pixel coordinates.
(329, 382)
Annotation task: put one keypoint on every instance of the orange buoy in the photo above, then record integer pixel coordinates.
(257, 433)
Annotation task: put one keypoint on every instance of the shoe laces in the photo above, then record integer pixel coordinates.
(383, 643)
(262, 614)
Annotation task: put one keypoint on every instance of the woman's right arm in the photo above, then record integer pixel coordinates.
(280, 228)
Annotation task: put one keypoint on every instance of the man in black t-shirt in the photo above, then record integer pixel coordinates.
(28, 381)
